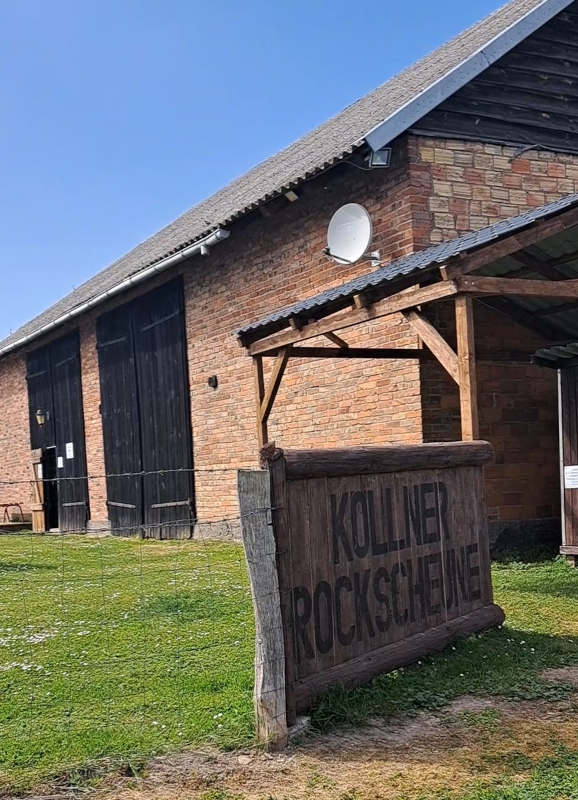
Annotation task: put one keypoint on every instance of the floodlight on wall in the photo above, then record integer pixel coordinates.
(380, 158)
(41, 417)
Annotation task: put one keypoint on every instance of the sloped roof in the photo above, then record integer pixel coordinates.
(341, 296)
(325, 145)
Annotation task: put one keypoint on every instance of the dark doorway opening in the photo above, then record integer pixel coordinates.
(50, 489)
(144, 386)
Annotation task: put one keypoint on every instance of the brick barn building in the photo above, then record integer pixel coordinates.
(140, 369)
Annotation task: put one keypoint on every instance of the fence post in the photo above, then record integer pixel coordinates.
(260, 551)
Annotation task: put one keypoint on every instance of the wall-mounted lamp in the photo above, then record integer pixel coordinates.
(292, 195)
(41, 417)
(213, 381)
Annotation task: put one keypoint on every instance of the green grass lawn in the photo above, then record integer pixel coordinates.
(122, 648)
(113, 647)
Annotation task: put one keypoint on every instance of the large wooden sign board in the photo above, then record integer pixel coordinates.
(382, 557)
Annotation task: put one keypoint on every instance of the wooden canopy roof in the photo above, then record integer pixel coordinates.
(525, 267)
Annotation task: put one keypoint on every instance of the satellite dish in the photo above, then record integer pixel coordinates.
(349, 234)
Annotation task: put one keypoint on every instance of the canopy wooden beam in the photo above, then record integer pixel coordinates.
(527, 319)
(274, 383)
(435, 342)
(517, 287)
(545, 312)
(351, 352)
(333, 337)
(534, 264)
(467, 368)
(390, 305)
(507, 246)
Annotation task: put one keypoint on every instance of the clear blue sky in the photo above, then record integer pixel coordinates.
(118, 115)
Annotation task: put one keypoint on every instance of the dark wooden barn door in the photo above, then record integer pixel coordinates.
(40, 399)
(120, 421)
(159, 334)
(146, 414)
(69, 434)
(55, 387)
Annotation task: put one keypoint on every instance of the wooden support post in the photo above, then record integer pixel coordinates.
(467, 368)
(259, 381)
(260, 551)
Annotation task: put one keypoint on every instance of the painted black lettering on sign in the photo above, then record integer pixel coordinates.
(323, 616)
(412, 509)
(399, 617)
(373, 598)
(338, 532)
(379, 546)
(361, 589)
(429, 517)
(473, 571)
(381, 576)
(442, 502)
(344, 638)
(359, 510)
(301, 617)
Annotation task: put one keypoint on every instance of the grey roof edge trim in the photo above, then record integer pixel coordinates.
(470, 68)
(127, 283)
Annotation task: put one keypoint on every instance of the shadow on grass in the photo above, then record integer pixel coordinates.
(504, 662)
(202, 604)
(19, 566)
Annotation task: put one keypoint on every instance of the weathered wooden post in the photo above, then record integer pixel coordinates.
(260, 552)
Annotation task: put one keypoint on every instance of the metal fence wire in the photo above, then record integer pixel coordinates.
(122, 646)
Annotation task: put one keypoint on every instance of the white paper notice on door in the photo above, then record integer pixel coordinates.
(70, 450)
(60, 462)
(39, 472)
(571, 477)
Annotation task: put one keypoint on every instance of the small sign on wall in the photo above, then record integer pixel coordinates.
(69, 450)
(60, 462)
(571, 477)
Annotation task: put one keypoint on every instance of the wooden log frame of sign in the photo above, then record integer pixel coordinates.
(382, 557)
(269, 696)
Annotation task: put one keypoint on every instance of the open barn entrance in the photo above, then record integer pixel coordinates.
(523, 270)
(146, 415)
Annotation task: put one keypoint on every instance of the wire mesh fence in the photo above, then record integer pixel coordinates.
(122, 646)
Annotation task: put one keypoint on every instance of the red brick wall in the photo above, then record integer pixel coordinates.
(14, 433)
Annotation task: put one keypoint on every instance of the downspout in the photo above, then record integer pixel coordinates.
(201, 247)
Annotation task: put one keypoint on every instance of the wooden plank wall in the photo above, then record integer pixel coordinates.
(383, 556)
(527, 97)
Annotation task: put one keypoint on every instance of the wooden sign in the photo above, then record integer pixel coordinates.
(383, 556)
